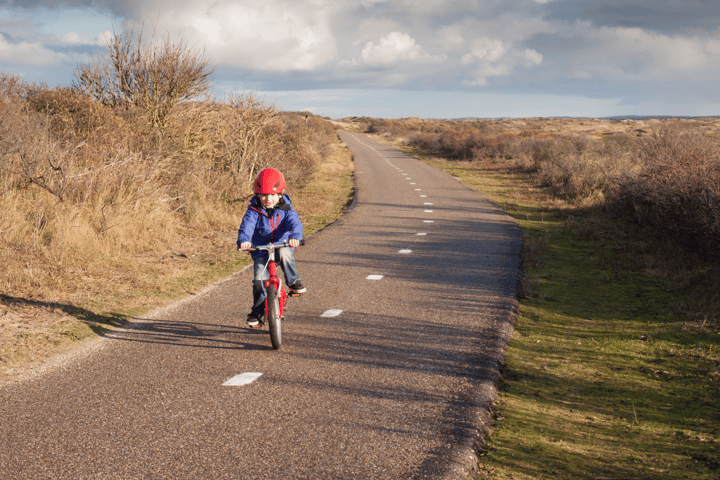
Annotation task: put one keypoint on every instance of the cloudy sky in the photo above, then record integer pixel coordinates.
(401, 58)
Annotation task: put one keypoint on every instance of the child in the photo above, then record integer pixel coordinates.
(270, 218)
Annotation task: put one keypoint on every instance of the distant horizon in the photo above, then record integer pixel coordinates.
(615, 117)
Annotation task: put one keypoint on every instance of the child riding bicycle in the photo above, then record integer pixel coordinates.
(270, 218)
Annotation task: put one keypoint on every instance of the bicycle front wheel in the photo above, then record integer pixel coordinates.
(274, 320)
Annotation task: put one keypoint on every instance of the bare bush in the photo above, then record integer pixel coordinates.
(427, 142)
(86, 186)
(470, 142)
(676, 191)
(566, 166)
(12, 87)
(156, 75)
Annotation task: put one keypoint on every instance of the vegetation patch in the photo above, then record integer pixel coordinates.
(125, 192)
(606, 376)
(613, 371)
(325, 199)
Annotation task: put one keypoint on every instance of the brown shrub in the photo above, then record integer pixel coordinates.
(426, 142)
(73, 114)
(668, 180)
(304, 144)
(677, 189)
(85, 186)
(466, 144)
(567, 168)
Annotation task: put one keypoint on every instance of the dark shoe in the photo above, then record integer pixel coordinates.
(255, 319)
(297, 287)
(252, 322)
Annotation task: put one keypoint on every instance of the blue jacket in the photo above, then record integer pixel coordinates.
(261, 227)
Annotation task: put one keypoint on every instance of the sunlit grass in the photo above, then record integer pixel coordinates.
(326, 198)
(606, 376)
(113, 289)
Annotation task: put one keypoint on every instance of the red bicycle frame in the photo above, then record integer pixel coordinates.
(276, 295)
(275, 280)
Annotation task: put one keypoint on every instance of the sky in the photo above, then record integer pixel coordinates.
(406, 58)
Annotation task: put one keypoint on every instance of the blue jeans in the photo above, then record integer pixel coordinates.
(285, 260)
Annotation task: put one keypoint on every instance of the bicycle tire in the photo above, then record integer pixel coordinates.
(274, 320)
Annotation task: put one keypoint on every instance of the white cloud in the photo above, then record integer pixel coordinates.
(393, 48)
(279, 36)
(70, 38)
(26, 53)
(633, 54)
(208, 28)
(530, 57)
(488, 50)
(490, 57)
(672, 53)
(450, 38)
(75, 39)
(372, 3)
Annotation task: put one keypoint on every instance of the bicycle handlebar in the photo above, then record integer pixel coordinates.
(269, 246)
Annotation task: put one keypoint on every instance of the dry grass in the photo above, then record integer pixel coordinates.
(324, 199)
(662, 174)
(105, 215)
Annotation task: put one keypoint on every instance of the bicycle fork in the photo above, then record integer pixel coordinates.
(277, 283)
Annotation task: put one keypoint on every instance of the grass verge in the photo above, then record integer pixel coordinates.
(609, 374)
(326, 198)
(32, 330)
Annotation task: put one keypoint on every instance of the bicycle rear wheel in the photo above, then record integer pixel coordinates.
(274, 320)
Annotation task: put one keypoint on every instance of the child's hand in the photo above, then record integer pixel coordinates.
(294, 242)
(245, 245)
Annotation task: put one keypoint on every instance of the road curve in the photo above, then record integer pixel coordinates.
(420, 275)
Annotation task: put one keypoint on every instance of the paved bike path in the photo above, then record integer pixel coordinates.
(395, 386)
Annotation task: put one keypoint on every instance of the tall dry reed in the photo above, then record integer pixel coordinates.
(91, 191)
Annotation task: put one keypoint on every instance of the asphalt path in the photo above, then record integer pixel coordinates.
(386, 372)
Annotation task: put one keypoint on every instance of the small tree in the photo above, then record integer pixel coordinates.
(155, 76)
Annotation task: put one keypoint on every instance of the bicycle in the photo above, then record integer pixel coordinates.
(276, 295)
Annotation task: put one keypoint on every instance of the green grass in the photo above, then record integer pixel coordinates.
(609, 375)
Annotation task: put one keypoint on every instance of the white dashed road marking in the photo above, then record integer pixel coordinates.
(405, 250)
(374, 277)
(243, 379)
